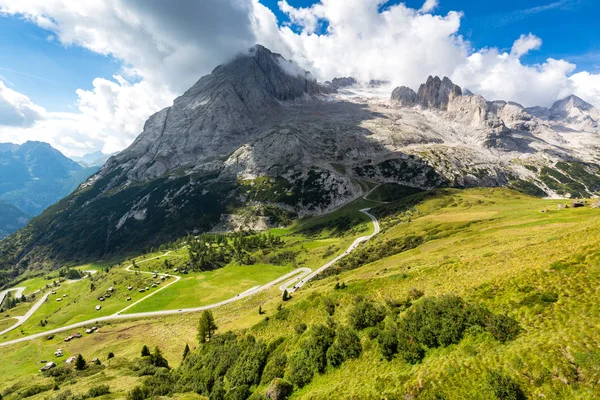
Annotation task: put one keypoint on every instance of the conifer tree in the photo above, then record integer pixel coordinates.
(186, 351)
(80, 363)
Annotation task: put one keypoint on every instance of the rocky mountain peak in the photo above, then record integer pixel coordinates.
(436, 93)
(576, 112)
(215, 116)
(564, 106)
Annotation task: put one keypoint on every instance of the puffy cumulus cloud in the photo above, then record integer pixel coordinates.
(429, 6)
(121, 108)
(525, 44)
(110, 117)
(165, 47)
(586, 86)
(502, 76)
(367, 40)
(17, 109)
(172, 42)
(399, 44)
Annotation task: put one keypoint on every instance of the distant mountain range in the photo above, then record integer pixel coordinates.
(11, 219)
(95, 159)
(260, 131)
(34, 176)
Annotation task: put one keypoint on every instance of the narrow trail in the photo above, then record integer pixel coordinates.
(297, 278)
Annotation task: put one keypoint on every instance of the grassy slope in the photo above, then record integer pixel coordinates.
(489, 246)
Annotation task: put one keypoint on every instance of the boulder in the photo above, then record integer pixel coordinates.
(595, 204)
(404, 96)
(279, 389)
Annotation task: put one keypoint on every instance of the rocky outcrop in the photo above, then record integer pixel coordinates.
(343, 82)
(436, 93)
(404, 96)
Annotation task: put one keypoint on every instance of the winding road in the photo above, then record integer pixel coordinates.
(300, 277)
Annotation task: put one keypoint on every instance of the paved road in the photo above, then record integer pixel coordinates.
(21, 320)
(301, 276)
(301, 281)
(18, 290)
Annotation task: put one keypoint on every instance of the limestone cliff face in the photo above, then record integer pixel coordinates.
(437, 93)
(214, 117)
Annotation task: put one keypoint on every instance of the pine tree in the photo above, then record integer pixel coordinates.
(260, 311)
(206, 326)
(80, 363)
(286, 296)
(92, 287)
(158, 360)
(145, 351)
(186, 351)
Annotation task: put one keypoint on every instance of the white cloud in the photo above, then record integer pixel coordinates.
(17, 109)
(429, 6)
(587, 86)
(525, 44)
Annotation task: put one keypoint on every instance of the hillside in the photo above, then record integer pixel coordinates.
(523, 273)
(11, 219)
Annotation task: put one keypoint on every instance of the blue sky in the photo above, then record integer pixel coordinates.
(50, 73)
(46, 71)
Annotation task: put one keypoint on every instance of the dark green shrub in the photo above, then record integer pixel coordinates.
(279, 389)
(335, 355)
(275, 368)
(301, 369)
(411, 351)
(241, 392)
(504, 387)
(300, 328)
(365, 314)
(388, 343)
(349, 343)
(97, 391)
(329, 306)
(33, 390)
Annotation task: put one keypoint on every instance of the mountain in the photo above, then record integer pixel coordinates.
(11, 219)
(34, 175)
(571, 112)
(260, 135)
(95, 159)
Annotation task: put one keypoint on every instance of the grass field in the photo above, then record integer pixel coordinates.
(6, 322)
(199, 289)
(489, 246)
